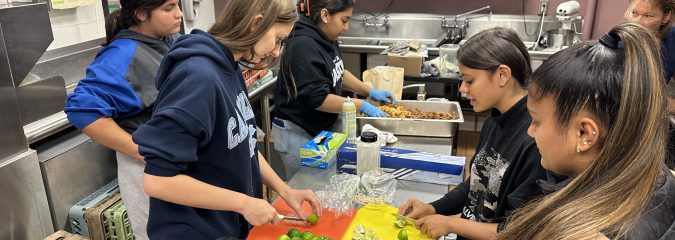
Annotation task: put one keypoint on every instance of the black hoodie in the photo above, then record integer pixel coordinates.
(316, 66)
(203, 127)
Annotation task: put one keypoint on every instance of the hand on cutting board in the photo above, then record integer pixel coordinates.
(381, 95)
(295, 197)
(258, 212)
(415, 209)
(436, 225)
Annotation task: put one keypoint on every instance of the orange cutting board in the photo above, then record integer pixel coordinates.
(329, 225)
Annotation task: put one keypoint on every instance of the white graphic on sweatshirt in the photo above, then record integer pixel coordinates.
(487, 172)
(338, 70)
(243, 131)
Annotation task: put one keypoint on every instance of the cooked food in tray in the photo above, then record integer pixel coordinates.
(395, 111)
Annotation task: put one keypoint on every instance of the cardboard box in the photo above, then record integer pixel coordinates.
(409, 165)
(411, 64)
(321, 150)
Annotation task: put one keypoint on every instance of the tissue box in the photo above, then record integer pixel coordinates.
(321, 150)
(409, 165)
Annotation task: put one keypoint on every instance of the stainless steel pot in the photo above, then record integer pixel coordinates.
(559, 38)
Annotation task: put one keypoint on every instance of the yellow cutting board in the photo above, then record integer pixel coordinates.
(381, 220)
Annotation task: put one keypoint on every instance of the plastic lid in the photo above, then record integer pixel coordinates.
(368, 137)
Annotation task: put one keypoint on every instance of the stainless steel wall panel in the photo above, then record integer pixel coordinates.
(27, 35)
(73, 166)
(13, 140)
(78, 57)
(24, 210)
(40, 98)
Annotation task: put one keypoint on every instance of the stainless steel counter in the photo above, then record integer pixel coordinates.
(316, 179)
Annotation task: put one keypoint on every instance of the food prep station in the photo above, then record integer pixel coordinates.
(46, 166)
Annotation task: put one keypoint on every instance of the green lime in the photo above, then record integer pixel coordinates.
(313, 219)
(293, 232)
(296, 238)
(399, 223)
(316, 238)
(284, 237)
(402, 235)
(307, 235)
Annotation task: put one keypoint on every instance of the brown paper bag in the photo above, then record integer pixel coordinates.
(385, 78)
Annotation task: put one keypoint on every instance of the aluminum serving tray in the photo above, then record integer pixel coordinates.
(419, 127)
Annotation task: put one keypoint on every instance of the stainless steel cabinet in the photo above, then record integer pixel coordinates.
(73, 166)
(23, 201)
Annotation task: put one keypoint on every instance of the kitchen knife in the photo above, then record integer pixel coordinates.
(407, 220)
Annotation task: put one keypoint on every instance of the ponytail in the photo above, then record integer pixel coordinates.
(112, 26)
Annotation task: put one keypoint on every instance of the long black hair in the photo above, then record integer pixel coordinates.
(497, 46)
(125, 17)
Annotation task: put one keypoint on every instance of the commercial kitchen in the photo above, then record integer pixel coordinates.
(55, 178)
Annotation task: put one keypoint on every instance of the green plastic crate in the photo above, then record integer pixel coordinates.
(119, 225)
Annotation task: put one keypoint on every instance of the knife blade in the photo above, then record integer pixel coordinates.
(407, 220)
(290, 218)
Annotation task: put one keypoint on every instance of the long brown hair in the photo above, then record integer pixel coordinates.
(234, 27)
(619, 81)
(666, 7)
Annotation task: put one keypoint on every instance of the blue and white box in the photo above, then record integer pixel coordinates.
(409, 165)
(321, 150)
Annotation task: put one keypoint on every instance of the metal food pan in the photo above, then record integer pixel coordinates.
(419, 127)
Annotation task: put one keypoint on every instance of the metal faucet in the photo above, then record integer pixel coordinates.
(421, 94)
(455, 32)
(385, 22)
(444, 23)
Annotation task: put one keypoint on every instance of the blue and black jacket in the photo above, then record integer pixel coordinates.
(120, 82)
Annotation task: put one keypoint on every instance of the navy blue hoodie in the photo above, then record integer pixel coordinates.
(203, 127)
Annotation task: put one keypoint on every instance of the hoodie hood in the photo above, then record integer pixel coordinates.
(159, 45)
(304, 27)
(196, 44)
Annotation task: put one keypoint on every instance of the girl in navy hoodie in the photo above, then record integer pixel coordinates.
(204, 173)
(118, 92)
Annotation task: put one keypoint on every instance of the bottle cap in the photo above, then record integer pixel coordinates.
(368, 137)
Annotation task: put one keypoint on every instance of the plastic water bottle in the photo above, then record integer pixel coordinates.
(348, 117)
(367, 153)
